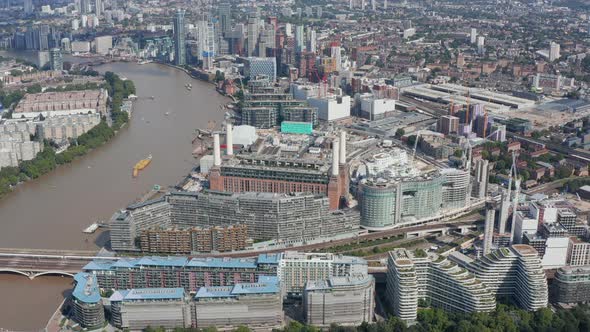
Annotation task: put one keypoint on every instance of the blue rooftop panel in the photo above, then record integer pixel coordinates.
(162, 261)
(222, 263)
(126, 262)
(256, 288)
(269, 258)
(148, 294)
(86, 289)
(214, 292)
(99, 264)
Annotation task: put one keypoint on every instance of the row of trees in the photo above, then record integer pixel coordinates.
(118, 90)
(48, 160)
(505, 319)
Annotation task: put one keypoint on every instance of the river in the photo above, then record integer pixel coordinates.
(52, 211)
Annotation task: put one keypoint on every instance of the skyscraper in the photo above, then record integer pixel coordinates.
(84, 6)
(225, 17)
(98, 7)
(312, 40)
(554, 51)
(480, 44)
(299, 39)
(252, 33)
(55, 59)
(28, 6)
(480, 185)
(473, 36)
(179, 42)
(488, 233)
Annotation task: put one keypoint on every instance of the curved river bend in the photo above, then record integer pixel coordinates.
(52, 211)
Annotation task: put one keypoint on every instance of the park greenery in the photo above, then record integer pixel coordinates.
(506, 318)
(48, 159)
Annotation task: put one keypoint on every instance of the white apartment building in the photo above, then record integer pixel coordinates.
(297, 268)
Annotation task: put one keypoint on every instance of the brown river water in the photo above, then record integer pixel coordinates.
(52, 211)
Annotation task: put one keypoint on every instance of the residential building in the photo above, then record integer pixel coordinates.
(51, 104)
(258, 305)
(178, 271)
(448, 124)
(55, 59)
(339, 300)
(296, 269)
(137, 308)
(87, 305)
(515, 272)
(267, 216)
(179, 39)
(103, 44)
(414, 276)
(571, 285)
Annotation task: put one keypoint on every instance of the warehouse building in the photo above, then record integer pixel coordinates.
(339, 300)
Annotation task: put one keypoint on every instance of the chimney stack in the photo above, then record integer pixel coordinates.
(216, 150)
(335, 152)
(229, 141)
(342, 147)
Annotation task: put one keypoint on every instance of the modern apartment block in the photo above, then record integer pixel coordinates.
(267, 216)
(266, 109)
(186, 241)
(411, 277)
(578, 252)
(571, 285)
(258, 305)
(339, 300)
(514, 272)
(136, 309)
(175, 272)
(390, 199)
(87, 305)
(296, 269)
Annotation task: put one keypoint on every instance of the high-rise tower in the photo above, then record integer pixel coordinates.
(179, 41)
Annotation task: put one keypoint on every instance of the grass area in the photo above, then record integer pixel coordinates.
(362, 244)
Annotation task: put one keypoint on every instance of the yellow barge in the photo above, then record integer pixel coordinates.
(141, 165)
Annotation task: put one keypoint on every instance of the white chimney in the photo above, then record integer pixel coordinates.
(342, 147)
(229, 141)
(335, 152)
(216, 150)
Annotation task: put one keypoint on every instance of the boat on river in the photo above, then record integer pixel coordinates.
(141, 165)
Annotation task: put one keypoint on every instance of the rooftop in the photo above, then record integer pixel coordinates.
(148, 294)
(86, 289)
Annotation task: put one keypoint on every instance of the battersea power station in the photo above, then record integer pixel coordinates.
(283, 164)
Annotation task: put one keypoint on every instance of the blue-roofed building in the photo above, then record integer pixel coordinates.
(136, 309)
(258, 305)
(87, 306)
(172, 272)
